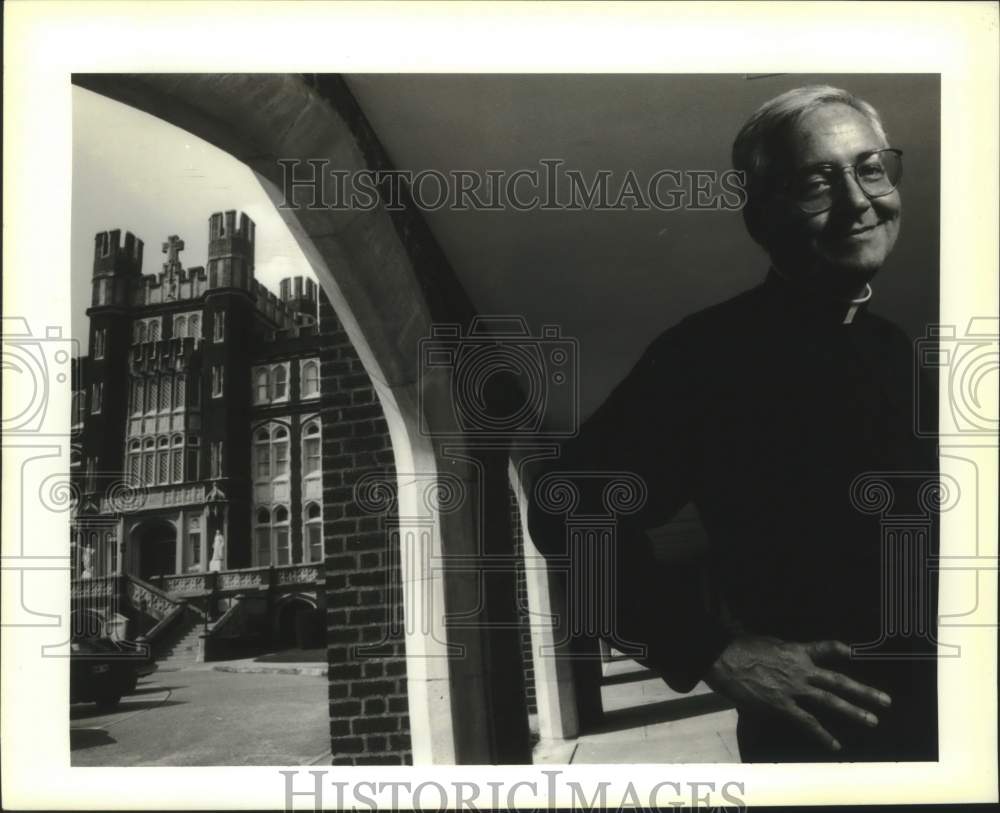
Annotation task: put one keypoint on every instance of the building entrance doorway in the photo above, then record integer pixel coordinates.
(154, 549)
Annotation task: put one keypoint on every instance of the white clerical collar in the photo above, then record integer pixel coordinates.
(854, 304)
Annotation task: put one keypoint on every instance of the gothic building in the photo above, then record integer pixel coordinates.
(198, 420)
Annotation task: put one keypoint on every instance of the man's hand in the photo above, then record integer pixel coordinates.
(766, 674)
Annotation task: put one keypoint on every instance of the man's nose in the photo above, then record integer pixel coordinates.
(854, 197)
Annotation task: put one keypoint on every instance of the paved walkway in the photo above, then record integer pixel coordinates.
(200, 716)
(648, 723)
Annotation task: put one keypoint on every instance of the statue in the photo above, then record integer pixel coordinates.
(87, 561)
(218, 553)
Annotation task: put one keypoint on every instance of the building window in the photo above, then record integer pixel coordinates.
(146, 330)
(187, 325)
(216, 459)
(217, 380)
(193, 450)
(280, 535)
(148, 460)
(262, 386)
(279, 383)
(309, 376)
(163, 461)
(272, 541)
(179, 386)
(138, 395)
(133, 462)
(312, 452)
(270, 384)
(271, 468)
(100, 337)
(313, 532)
(79, 406)
(262, 536)
(177, 459)
(166, 394)
(96, 397)
(219, 326)
(152, 394)
(279, 447)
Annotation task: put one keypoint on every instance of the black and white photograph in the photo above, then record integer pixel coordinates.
(629, 434)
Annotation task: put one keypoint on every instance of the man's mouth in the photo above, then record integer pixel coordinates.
(860, 231)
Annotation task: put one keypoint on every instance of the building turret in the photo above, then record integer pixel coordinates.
(230, 251)
(116, 268)
(300, 295)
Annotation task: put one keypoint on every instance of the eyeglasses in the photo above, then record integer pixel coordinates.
(815, 188)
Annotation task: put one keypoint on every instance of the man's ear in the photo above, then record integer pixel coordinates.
(758, 223)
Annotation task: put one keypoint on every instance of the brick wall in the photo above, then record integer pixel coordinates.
(522, 604)
(369, 722)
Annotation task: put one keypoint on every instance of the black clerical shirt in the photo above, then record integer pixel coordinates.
(783, 417)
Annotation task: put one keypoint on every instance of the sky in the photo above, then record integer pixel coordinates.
(135, 172)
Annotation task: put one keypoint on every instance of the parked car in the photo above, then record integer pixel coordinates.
(103, 670)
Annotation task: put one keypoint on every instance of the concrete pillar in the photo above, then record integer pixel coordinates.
(555, 695)
(179, 543)
(205, 541)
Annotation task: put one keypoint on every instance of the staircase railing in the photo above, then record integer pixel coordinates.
(151, 600)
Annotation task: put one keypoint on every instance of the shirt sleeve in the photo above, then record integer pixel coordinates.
(649, 427)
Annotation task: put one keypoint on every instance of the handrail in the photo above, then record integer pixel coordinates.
(157, 629)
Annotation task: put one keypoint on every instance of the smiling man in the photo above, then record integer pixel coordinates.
(766, 412)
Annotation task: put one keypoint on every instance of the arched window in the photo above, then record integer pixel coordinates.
(154, 330)
(262, 455)
(139, 332)
(310, 379)
(280, 536)
(262, 386)
(194, 326)
(312, 453)
(279, 445)
(280, 376)
(177, 459)
(312, 534)
(162, 460)
(180, 326)
(262, 536)
(148, 454)
(134, 461)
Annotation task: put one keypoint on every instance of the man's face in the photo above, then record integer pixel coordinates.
(842, 248)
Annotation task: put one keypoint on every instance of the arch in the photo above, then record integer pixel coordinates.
(151, 547)
(358, 257)
(297, 623)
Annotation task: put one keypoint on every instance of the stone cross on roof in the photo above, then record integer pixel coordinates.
(172, 248)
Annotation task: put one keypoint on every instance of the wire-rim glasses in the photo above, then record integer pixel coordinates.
(815, 189)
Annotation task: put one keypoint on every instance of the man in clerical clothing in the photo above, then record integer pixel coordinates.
(779, 414)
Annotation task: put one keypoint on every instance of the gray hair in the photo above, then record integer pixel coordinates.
(756, 143)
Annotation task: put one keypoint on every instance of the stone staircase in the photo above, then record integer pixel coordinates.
(181, 647)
